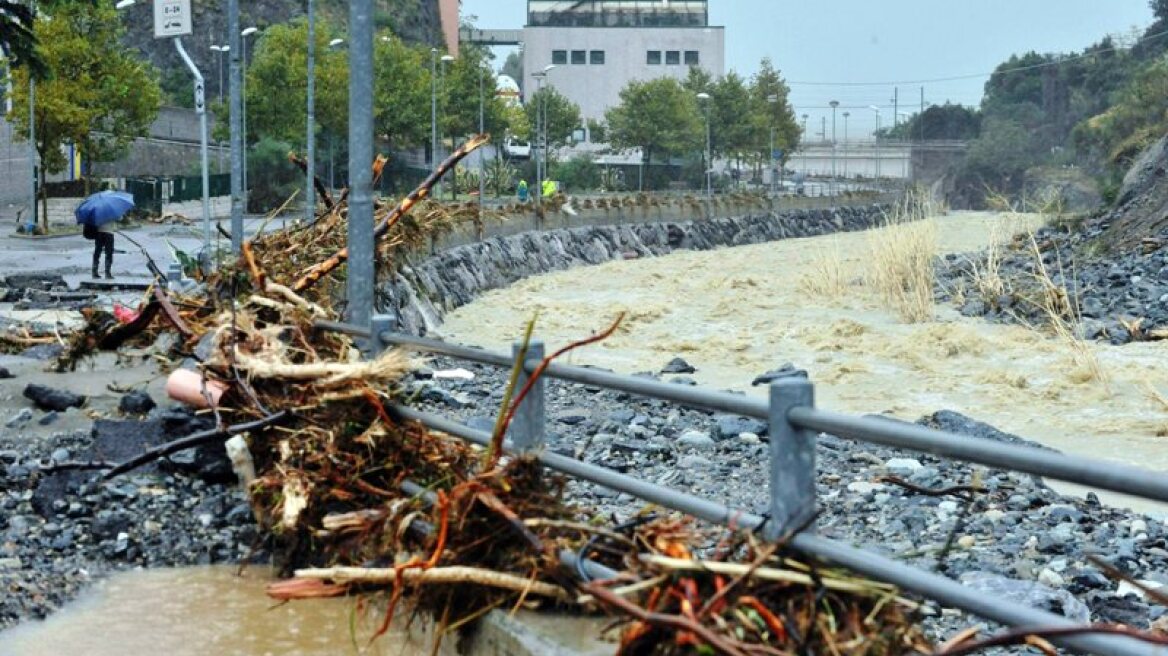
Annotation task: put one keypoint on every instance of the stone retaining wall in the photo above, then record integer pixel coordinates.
(423, 291)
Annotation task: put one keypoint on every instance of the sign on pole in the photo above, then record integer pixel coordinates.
(200, 98)
(172, 18)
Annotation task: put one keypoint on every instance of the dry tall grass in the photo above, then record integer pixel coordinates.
(901, 256)
(1060, 307)
(824, 273)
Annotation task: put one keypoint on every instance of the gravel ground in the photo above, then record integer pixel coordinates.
(1108, 291)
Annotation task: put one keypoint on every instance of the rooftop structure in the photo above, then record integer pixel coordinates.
(618, 13)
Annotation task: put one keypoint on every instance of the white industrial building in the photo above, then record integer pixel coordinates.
(598, 46)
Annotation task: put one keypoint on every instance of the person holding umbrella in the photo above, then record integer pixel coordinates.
(97, 215)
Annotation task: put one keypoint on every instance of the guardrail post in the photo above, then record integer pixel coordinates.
(378, 325)
(174, 273)
(527, 428)
(792, 459)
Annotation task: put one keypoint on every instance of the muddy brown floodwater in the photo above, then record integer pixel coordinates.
(734, 313)
(197, 611)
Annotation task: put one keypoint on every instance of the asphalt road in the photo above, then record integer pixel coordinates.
(72, 256)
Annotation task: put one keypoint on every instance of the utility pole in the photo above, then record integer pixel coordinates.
(362, 273)
(434, 112)
(895, 107)
(310, 137)
(201, 110)
(482, 130)
(772, 100)
(32, 151)
(846, 115)
(236, 115)
(834, 179)
(803, 145)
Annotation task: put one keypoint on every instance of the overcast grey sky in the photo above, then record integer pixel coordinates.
(887, 41)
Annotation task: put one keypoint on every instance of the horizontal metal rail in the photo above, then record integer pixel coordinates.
(943, 590)
(1114, 477)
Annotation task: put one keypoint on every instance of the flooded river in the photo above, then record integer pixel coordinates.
(737, 312)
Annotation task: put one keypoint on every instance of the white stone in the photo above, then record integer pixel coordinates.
(749, 438)
(947, 506)
(1138, 526)
(1126, 588)
(966, 541)
(904, 463)
(864, 487)
(1050, 577)
(993, 515)
(1059, 565)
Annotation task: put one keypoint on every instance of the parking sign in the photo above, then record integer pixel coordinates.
(172, 18)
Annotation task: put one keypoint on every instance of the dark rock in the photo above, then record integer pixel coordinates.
(678, 366)
(4, 373)
(731, 426)
(788, 370)
(43, 351)
(47, 398)
(49, 418)
(209, 462)
(136, 403)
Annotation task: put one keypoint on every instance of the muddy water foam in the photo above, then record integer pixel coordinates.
(734, 313)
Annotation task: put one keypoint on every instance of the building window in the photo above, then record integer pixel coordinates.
(692, 58)
(673, 57)
(596, 57)
(579, 57)
(654, 58)
(560, 57)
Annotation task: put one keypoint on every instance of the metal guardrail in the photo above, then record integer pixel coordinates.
(794, 423)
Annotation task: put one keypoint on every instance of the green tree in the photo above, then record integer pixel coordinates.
(563, 115)
(513, 68)
(460, 96)
(103, 97)
(401, 108)
(947, 121)
(767, 116)
(277, 84)
(658, 116)
(18, 41)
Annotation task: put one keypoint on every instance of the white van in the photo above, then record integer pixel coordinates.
(516, 149)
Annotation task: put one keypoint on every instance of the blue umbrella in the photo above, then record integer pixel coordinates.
(103, 207)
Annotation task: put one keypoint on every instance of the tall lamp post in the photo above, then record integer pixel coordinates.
(803, 145)
(442, 76)
(433, 110)
(903, 161)
(834, 179)
(705, 98)
(482, 130)
(877, 135)
(540, 134)
(222, 50)
(246, 32)
(773, 100)
(846, 115)
(310, 137)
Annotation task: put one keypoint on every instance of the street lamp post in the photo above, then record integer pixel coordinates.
(877, 135)
(846, 115)
(903, 161)
(243, 88)
(803, 146)
(222, 50)
(834, 179)
(482, 159)
(453, 187)
(540, 134)
(773, 100)
(705, 98)
(310, 136)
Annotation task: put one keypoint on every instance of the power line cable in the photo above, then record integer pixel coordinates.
(958, 78)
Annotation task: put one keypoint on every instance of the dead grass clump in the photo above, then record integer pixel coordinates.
(1060, 307)
(824, 275)
(901, 256)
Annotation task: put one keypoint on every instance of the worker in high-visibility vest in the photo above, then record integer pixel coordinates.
(549, 188)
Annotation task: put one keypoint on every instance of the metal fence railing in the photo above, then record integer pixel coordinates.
(794, 423)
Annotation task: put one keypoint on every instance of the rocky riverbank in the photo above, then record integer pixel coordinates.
(423, 291)
(1120, 296)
